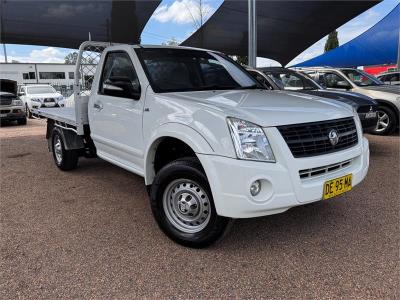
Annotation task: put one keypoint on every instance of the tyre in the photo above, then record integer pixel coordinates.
(387, 121)
(22, 121)
(65, 159)
(183, 206)
(28, 111)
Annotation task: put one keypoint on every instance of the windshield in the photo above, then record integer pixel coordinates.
(180, 70)
(361, 78)
(289, 80)
(40, 90)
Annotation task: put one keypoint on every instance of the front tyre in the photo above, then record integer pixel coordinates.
(65, 159)
(28, 112)
(387, 121)
(22, 121)
(183, 205)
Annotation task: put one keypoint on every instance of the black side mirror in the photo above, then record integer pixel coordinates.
(21, 94)
(342, 85)
(121, 87)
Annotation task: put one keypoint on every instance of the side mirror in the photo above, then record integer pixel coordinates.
(342, 84)
(21, 94)
(121, 87)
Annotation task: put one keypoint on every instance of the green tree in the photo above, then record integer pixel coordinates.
(71, 58)
(241, 59)
(332, 42)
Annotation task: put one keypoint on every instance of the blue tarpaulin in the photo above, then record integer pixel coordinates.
(378, 45)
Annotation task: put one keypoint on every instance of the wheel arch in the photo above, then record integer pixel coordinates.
(388, 104)
(70, 139)
(182, 134)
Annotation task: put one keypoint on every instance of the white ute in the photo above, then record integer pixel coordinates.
(210, 142)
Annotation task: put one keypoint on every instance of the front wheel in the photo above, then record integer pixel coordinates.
(183, 205)
(28, 111)
(22, 121)
(387, 121)
(65, 159)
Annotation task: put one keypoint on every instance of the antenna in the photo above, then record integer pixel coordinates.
(90, 36)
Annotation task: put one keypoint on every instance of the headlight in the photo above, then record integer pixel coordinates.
(250, 141)
(60, 98)
(17, 102)
(35, 100)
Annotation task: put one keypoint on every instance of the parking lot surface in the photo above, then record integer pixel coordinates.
(89, 233)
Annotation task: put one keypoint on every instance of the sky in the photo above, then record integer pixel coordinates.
(174, 19)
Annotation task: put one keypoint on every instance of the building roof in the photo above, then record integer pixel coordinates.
(66, 23)
(284, 28)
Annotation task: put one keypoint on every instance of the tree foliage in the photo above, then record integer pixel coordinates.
(199, 13)
(241, 59)
(332, 42)
(71, 58)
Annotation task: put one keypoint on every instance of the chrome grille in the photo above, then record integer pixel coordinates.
(314, 172)
(311, 139)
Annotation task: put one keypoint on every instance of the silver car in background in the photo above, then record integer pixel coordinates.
(354, 80)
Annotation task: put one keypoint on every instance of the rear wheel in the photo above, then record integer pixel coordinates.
(387, 121)
(65, 159)
(183, 205)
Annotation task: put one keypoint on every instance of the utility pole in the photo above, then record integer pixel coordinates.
(252, 53)
(5, 53)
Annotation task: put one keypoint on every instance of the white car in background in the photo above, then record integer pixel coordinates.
(40, 95)
(391, 78)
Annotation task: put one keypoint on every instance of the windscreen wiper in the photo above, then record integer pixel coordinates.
(216, 87)
(251, 87)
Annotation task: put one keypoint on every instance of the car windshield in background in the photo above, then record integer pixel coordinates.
(292, 80)
(181, 70)
(40, 90)
(361, 78)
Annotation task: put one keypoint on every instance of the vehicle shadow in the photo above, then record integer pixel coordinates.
(294, 225)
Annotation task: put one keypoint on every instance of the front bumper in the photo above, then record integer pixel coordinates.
(12, 112)
(282, 187)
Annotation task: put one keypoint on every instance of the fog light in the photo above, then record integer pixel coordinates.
(255, 188)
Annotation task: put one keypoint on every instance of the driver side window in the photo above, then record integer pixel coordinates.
(335, 81)
(119, 77)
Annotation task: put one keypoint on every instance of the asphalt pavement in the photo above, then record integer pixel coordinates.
(90, 233)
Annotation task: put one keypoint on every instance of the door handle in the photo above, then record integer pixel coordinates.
(98, 106)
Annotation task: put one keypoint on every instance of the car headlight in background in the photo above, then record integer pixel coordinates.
(250, 141)
(35, 99)
(17, 102)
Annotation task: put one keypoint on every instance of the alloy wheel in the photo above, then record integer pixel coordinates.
(383, 121)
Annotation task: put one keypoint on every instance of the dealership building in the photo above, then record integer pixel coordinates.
(60, 76)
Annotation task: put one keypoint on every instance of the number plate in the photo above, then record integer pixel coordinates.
(370, 115)
(337, 186)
